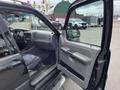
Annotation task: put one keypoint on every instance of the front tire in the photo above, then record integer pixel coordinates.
(84, 28)
(75, 26)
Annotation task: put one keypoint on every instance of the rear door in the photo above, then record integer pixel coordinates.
(13, 73)
(84, 52)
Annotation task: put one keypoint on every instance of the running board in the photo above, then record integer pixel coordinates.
(59, 84)
(41, 76)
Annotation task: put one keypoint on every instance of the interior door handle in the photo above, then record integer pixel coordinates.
(81, 58)
(66, 50)
(77, 56)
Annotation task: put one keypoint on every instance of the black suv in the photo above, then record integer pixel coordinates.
(34, 54)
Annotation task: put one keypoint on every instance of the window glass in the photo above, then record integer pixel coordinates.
(26, 21)
(86, 24)
(23, 26)
(4, 51)
(7, 46)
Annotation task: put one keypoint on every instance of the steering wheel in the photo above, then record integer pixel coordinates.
(20, 38)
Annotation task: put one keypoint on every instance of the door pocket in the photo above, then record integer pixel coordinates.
(72, 71)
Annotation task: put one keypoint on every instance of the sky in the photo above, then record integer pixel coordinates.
(51, 2)
(93, 9)
(54, 2)
(116, 7)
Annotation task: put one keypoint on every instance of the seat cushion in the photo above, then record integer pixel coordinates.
(31, 61)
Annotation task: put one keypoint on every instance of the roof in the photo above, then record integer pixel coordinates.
(61, 7)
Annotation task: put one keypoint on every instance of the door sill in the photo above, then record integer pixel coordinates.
(60, 83)
(39, 76)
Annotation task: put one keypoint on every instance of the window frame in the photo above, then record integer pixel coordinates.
(72, 9)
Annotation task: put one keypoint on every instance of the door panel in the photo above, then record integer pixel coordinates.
(84, 43)
(79, 59)
(12, 72)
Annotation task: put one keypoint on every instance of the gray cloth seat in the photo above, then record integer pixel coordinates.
(35, 58)
(32, 61)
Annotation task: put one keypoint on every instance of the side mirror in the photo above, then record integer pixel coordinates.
(73, 35)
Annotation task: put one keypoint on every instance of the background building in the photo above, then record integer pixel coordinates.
(60, 10)
(41, 6)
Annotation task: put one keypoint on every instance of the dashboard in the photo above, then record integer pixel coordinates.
(42, 39)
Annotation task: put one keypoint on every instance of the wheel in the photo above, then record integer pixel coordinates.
(70, 25)
(84, 28)
(75, 26)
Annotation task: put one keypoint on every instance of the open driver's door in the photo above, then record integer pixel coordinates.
(84, 44)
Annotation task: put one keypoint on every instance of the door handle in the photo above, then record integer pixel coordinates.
(66, 50)
(77, 56)
(80, 58)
